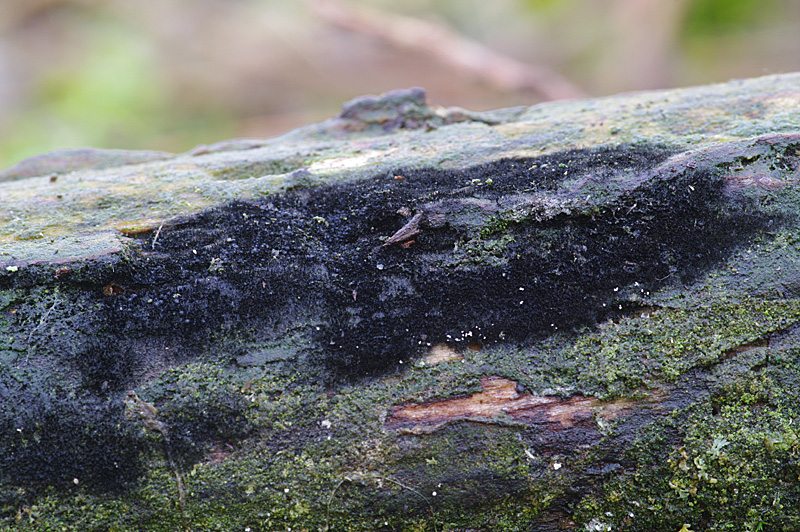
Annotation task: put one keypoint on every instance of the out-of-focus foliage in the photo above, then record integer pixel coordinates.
(109, 95)
(171, 74)
(722, 16)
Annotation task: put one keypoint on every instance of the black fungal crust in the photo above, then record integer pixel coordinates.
(319, 252)
(81, 444)
(314, 261)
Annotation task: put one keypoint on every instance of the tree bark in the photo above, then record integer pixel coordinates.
(580, 315)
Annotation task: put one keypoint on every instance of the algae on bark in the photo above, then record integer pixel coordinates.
(580, 315)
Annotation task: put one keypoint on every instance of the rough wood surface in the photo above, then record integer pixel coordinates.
(575, 316)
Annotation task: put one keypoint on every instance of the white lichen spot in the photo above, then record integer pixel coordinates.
(529, 454)
(596, 525)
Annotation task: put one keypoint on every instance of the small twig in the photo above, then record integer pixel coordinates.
(407, 232)
(158, 232)
(450, 48)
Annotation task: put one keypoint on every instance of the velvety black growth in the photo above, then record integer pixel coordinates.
(318, 252)
(84, 444)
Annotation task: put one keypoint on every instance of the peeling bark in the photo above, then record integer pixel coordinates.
(501, 402)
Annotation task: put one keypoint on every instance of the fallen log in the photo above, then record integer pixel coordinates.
(580, 315)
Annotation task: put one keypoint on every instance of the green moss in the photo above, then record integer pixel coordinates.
(733, 460)
(494, 226)
(661, 344)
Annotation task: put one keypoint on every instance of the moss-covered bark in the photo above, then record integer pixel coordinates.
(579, 315)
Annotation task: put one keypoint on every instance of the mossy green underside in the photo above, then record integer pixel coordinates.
(268, 430)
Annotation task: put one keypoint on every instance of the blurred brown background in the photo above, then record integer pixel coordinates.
(170, 74)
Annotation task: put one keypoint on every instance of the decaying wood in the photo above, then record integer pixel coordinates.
(574, 316)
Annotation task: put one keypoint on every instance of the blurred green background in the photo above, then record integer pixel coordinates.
(171, 74)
